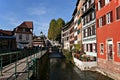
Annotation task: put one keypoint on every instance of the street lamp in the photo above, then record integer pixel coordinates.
(42, 41)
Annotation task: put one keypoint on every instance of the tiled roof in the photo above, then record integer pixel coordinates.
(27, 24)
(6, 32)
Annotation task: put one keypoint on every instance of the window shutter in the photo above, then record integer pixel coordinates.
(97, 23)
(102, 3)
(111, 16)
(103, 20)
(118, 12)
(96, 6)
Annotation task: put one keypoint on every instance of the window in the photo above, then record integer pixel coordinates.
(100, 22)
(118, 12)
(101, 48)
(20, 36)
(85, 19)
(91, 49)
(92, 1)
(107, 1)
(78, 31)
(93, 15)
(84, 33)
(108, 17)
(89, 31)
(78, 13)
(93, 30)
(103, 20)
(87, 4)
(86, 47)
(23, 30)
(88, 18)
(118, 49)
(99, 5)
(27, 37)
(85, 7)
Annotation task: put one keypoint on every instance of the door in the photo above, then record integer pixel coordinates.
(110, 49)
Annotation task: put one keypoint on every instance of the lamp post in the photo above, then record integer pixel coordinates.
(42, 41)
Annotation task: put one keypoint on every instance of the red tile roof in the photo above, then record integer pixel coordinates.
(6, 32)
(27, 24)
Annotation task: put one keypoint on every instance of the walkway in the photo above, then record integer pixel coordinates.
(20, 68)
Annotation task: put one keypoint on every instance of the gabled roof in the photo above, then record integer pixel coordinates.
(6, 32)
(26, 24)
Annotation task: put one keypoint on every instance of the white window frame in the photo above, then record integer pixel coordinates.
(99, 7)
(86, 34)
(93, 15)
(84, 8)
(101, 48)
(118, 49)
(87, 5)
(108, 18)
(100, 22)
(107, 1)
(88, 18)
(92, 1)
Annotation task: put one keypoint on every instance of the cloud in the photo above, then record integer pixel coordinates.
(37, 11)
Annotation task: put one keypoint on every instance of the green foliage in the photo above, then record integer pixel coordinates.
(68, 55)
(77, 47)
(55, 27)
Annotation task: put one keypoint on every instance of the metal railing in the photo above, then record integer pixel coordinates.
(12, 58)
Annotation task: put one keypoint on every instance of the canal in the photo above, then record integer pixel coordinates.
(58, 68)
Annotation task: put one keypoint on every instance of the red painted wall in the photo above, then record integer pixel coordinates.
(108, 31)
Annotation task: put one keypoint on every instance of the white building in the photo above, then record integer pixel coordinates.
(66, 36)
(24, 35)
(89, 28)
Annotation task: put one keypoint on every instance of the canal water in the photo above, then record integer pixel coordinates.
(60, 69)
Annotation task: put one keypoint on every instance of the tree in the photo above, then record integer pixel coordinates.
(61, 24)
(52, 27)
(55, 27)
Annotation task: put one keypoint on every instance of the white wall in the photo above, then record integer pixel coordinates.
(23, 40)
(84, 65)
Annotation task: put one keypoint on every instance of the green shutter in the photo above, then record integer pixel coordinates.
(79, 21)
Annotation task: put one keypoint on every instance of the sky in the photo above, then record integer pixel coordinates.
(41, 12)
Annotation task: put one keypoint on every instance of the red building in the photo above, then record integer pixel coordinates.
(108, 36)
